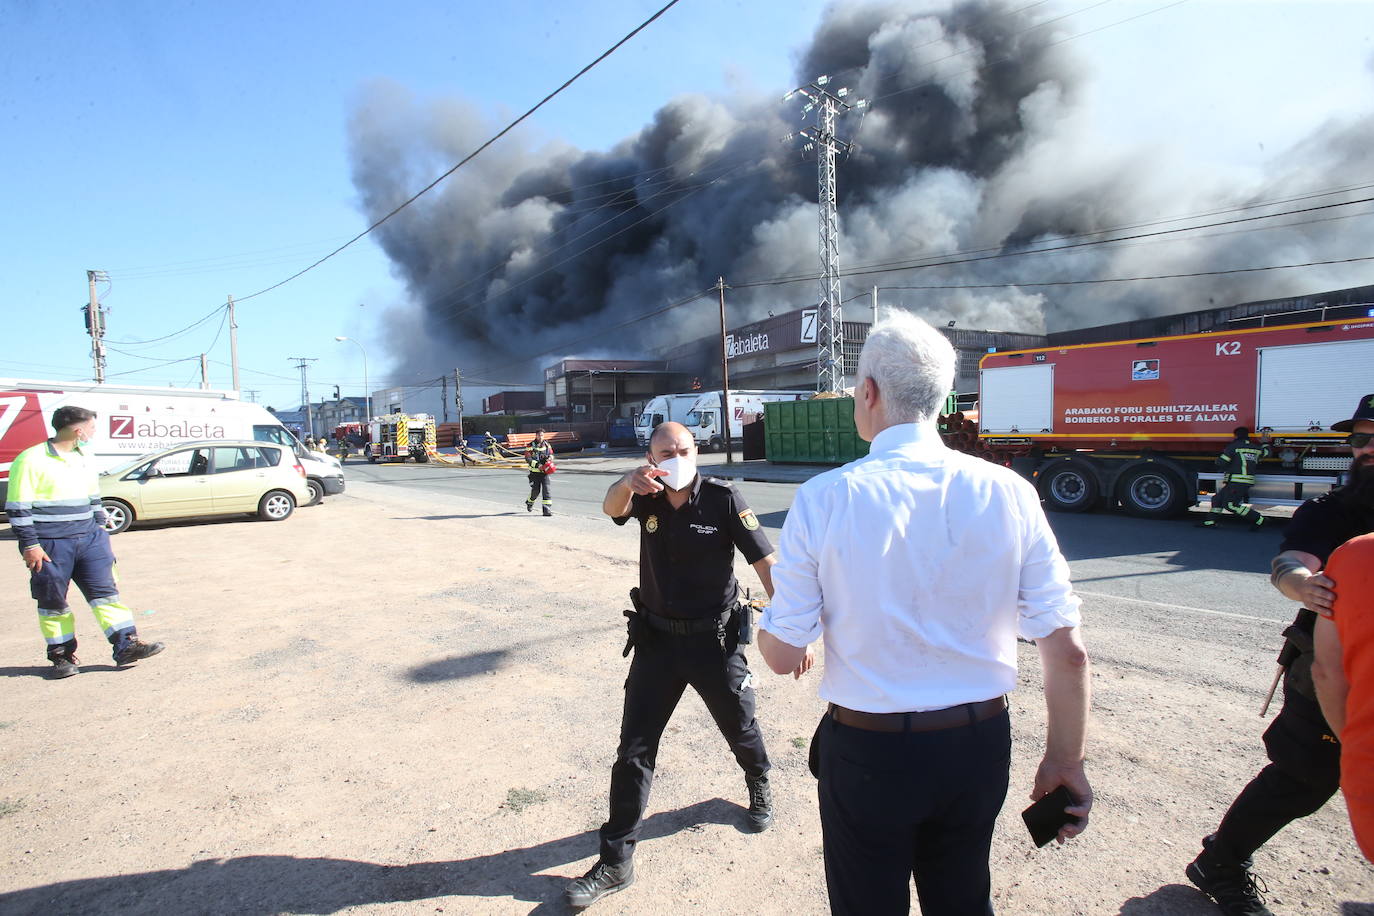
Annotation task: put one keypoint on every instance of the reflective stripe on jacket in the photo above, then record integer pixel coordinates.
(52, 494)
(1240, 460)
(537, 455)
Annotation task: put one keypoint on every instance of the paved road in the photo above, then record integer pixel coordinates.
(1166, 568)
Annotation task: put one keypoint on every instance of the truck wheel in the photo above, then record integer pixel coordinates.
(316, 492)
(1069, 488)
(717, 444)
(421, 457)
(118, 515)
(276, 506)
(372, 459)
(1151, 492)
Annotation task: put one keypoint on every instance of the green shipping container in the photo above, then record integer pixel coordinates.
(812, 432)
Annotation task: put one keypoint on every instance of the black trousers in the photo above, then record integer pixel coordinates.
(662, 668)
(1235, 498)
(920, 804)
(1304, 772)
(539, 482)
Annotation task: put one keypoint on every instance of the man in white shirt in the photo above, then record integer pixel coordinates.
(920, 565)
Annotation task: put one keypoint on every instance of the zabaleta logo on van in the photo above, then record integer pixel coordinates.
(132, 428)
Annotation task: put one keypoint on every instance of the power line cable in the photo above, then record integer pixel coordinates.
(505, 130)
(170, 362)
(615, 327)
(926, 262)
(528, 279)
(194, 324)
(1199, 273)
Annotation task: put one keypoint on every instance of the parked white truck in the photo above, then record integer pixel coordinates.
(704, 418)
(662, 409)
(700, 412)
(133, 420)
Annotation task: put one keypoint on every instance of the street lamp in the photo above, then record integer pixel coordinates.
(367, 395)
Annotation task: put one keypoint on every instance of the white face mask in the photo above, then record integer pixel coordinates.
(680, 470)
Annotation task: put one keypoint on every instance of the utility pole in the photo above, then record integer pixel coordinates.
(233, 344)
(821, 137)
(204, 372)
(724, 377)
(304, 366)
(252, 394)
(443, 395)
(458, 397)
(95, 324)
(875, 305)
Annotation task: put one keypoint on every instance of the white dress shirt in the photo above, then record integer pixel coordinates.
(919, 564)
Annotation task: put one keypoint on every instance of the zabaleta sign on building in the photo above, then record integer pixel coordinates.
(773, 335)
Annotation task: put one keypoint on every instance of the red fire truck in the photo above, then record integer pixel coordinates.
(1141, 422)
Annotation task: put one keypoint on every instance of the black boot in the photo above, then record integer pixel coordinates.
(603, 879)
(760, 803)
(63, 666)
(136, 650)
(1236, 891)
(548, 513)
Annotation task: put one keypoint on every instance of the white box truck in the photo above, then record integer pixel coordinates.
(132, 420)
(704, 418)
(662, 409)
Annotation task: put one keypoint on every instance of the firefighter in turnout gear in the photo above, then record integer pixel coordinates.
(539, 458)
(54, 508)
(1239, 461)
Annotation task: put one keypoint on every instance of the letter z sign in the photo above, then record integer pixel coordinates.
(121, 427)
(808, 326)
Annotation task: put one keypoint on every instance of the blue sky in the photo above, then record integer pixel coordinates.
(197, 150)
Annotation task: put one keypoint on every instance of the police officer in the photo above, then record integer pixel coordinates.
(54, 507)
(687, 631)
(1304, 768)
(1239, 460)
(537, 456)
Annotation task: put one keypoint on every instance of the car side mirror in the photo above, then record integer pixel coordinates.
(152, 472)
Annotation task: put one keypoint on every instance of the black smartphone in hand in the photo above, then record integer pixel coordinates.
(1045, 817)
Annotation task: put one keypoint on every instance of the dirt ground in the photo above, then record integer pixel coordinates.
(389, 704)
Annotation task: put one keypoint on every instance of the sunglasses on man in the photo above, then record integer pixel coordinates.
(1358, 440)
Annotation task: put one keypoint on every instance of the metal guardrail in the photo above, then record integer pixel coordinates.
(1260, 495)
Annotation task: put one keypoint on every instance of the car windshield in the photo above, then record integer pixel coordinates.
(129, 465)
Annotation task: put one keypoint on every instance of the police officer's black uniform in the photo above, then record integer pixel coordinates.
(688, 634)
(1304, 768)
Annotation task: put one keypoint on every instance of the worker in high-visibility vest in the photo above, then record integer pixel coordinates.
(54, 508)
(1239, 460)
(539, 460)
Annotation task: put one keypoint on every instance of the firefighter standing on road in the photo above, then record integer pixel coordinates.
(687, 630)
(1239, 460)
(1304, 755)
(54, 507)
(539, 458)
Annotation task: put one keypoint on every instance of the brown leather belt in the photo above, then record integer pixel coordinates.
(933, 720)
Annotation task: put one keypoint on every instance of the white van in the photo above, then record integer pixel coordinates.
(133, 420)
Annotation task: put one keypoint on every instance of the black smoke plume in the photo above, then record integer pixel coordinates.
(974, 141)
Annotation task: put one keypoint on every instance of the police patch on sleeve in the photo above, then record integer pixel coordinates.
(751, 521)
(651, 524)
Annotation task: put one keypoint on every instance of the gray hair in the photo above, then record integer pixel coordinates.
(911, 363)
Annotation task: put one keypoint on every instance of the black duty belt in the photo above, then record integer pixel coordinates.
(931, 721)
(687, 626)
